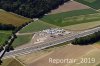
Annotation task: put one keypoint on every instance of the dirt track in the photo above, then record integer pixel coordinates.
(69, 6)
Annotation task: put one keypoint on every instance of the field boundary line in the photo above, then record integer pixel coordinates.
(19, 61)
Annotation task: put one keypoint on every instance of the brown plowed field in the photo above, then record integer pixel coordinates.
(69, 6)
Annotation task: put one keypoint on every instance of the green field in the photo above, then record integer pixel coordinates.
(70, 18)
(92, 3)
(22, 39)
(36, 26)
(83, 26)
(10, 62)
(11, 18)
(4, 36)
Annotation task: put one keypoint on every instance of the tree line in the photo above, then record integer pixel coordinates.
(7, 27)
(30, 8)
(7, 46)
(90, 39)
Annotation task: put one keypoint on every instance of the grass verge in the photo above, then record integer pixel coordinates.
(22, 39)
(4, 36)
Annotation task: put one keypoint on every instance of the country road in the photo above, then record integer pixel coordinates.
(40, 46)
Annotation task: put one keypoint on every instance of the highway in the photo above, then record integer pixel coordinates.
(40, 46)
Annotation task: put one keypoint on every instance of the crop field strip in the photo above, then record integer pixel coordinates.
(83, 26)
(92, 3)
(93, 54)
(70, 18)
(69, 6)
(11, 18)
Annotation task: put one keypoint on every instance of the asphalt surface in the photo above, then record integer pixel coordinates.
(40, 46)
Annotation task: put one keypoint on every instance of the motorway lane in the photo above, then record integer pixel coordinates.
(48, 44)
(34, 48)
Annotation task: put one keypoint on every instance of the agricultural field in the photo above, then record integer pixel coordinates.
(74, 19)
(22, 39)
(93, 54)
(83, 26)
(11, 62)
(11, 18)
(36, 26)
(71, 17)
(4, 36)
(69, 6)
(92, 3)
(73, 51)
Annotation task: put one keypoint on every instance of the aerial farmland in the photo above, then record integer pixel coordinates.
(50, 33)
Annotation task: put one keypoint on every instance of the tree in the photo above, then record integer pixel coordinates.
(30, 8)
(87, 39)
